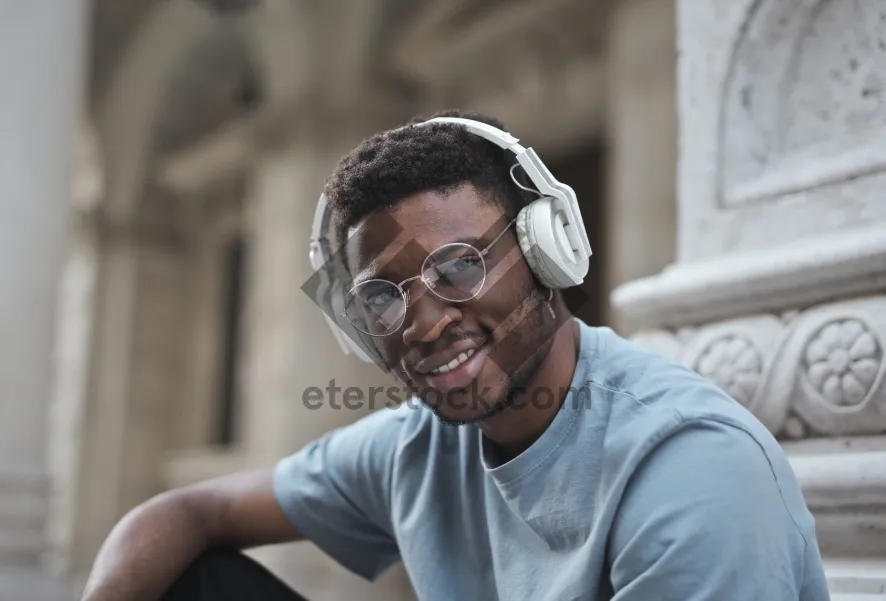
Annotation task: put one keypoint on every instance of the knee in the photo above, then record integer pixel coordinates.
(204, 573)
(219, 558)
(226, 573)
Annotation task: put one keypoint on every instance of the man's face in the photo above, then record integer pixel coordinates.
(496, 339)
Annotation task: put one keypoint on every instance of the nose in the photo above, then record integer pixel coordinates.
(427, 316)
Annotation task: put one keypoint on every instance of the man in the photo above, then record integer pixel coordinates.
(551, 460)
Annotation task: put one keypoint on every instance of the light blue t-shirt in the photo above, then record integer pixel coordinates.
(650, 484)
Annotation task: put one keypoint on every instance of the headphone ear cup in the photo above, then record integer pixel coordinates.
(541, 233)
(529, 247)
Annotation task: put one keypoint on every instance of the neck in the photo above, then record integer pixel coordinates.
(514, 430)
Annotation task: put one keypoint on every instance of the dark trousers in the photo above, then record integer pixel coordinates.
(229, 575)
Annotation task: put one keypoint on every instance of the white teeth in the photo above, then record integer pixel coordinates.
(454, 363)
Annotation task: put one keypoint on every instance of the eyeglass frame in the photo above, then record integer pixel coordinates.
(405, 292)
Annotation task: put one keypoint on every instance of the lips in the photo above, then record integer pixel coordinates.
(445, 357)
(467, 367)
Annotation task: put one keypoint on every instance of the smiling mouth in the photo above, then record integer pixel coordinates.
(459, 373)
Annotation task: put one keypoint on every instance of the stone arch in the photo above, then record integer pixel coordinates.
(276, 35)
(130, 108)
(282, 37)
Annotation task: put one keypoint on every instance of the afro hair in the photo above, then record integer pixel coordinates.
(395, 164)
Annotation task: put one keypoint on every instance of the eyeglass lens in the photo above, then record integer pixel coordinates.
(454, 272)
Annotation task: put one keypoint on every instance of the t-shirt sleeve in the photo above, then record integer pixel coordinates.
(703, 518)
(336, 492)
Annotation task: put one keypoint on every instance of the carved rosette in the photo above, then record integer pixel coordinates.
(734, 364)
(842, 363)
(821, 372)
(840, 372)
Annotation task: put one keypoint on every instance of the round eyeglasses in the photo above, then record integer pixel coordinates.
(454, 272)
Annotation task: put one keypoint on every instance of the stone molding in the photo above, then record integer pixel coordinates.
(845, 487)
(816, 372)
(842, 480)
(797, 274)
(856, 579)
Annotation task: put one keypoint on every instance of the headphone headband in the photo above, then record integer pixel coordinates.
(537, 171)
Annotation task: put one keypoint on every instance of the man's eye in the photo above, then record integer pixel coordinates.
(457, 265)
(380, 299)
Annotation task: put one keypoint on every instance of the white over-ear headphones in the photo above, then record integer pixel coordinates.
(550, 232)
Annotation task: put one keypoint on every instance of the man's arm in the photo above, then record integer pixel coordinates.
(333, 492)
(710, 516)
(154, 543)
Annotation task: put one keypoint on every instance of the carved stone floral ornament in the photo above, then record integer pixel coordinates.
(734, 364)
(842, 362)
(819, 373)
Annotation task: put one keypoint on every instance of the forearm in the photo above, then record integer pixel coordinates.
(147, 551)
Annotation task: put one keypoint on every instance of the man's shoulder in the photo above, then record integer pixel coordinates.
(364, 449)
(625, 366)
(664, 419)
(648, 398)
(378, 433)
(405, 428)
(644, 385)
(390, 424)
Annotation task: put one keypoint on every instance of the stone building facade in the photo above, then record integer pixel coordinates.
(182, 145)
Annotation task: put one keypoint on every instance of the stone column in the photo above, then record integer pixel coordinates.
(290, 349)
(641, 128)
(777, 293)
(73, 344)
(42, 59)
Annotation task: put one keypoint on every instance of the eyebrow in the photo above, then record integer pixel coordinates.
(367, 274)
(373, 271)
(472, 240)
(375, 265)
